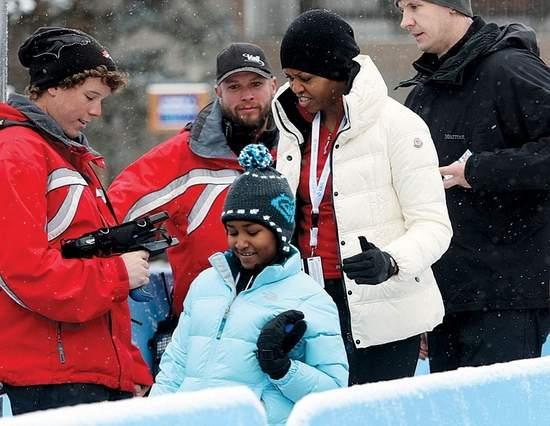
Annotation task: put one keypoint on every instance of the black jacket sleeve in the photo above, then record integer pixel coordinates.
(522, 100)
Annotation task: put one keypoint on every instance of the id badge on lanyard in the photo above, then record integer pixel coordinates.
(314, 268)
(312, 264)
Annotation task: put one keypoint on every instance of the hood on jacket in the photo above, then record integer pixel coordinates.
(209, 138)
(518, 36)
(26, 110)
(480, 40)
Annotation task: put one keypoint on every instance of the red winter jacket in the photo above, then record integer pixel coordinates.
(64, 320)
(188, 177)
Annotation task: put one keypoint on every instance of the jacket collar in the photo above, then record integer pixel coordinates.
(207, 136)
(211, 134)
(227, 266)
(46, 124)
(450, 67)
(366, 98)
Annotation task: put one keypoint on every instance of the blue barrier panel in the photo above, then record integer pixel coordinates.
(514, 394)
(236, 406)
(146, 315)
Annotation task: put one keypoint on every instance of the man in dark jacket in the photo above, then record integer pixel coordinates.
(485, 94)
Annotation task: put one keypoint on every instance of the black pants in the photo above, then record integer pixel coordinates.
(481, 338)
(25, 399)
(389, 361)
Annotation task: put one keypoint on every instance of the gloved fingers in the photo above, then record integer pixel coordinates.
(369, 280)
(365, 244)
(273, 331)
(365, 265)
(294, 335)
(357, 276)
(279, 321)
(360, 257)
(290, 316)
(270, 340)
(296, 330)
(278, 338)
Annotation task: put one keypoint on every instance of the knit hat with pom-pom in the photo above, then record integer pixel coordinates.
(262, 195)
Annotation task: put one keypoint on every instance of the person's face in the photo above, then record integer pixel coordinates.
(74, 108)
(315, 93)
(253, 244)
(245, 98)
(429, 24)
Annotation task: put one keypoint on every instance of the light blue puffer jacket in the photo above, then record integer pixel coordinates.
(214, 343)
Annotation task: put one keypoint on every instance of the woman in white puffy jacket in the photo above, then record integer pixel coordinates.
(371, 216)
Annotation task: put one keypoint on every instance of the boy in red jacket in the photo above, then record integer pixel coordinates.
(69, 337)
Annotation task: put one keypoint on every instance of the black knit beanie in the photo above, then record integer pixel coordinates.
(54, 53)
(462, 6)
(262, 195)
(320, 42)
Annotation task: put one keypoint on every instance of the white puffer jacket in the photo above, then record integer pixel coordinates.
(386, 187)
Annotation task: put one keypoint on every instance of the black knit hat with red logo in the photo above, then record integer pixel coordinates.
(54, 53)
(320, 42)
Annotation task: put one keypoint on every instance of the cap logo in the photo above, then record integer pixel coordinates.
(62, 41)
(254, 58)
(284, 205)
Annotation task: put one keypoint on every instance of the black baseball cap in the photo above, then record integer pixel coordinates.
(239, 57)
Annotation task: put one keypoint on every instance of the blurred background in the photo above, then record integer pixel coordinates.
(169, 42)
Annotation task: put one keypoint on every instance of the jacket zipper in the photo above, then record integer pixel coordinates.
(119, 365)
(228, 309)
(60, 348)
(347, 318)
(222, 323)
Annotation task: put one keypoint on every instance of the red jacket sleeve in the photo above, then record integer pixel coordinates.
(143, 187)
(32, 271)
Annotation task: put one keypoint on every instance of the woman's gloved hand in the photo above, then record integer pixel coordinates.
(371, 266)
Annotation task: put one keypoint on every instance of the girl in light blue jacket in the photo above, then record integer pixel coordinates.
(254, 318)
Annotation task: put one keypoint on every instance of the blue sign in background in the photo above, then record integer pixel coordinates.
(177, 110)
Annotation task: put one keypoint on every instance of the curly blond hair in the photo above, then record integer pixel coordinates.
(114, 79)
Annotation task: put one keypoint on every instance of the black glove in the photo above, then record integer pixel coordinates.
(276, 340)
(371, 266)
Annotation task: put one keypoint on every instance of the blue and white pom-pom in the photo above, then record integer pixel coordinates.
(255, 156)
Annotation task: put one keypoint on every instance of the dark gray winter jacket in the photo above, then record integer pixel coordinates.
(491, 94)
